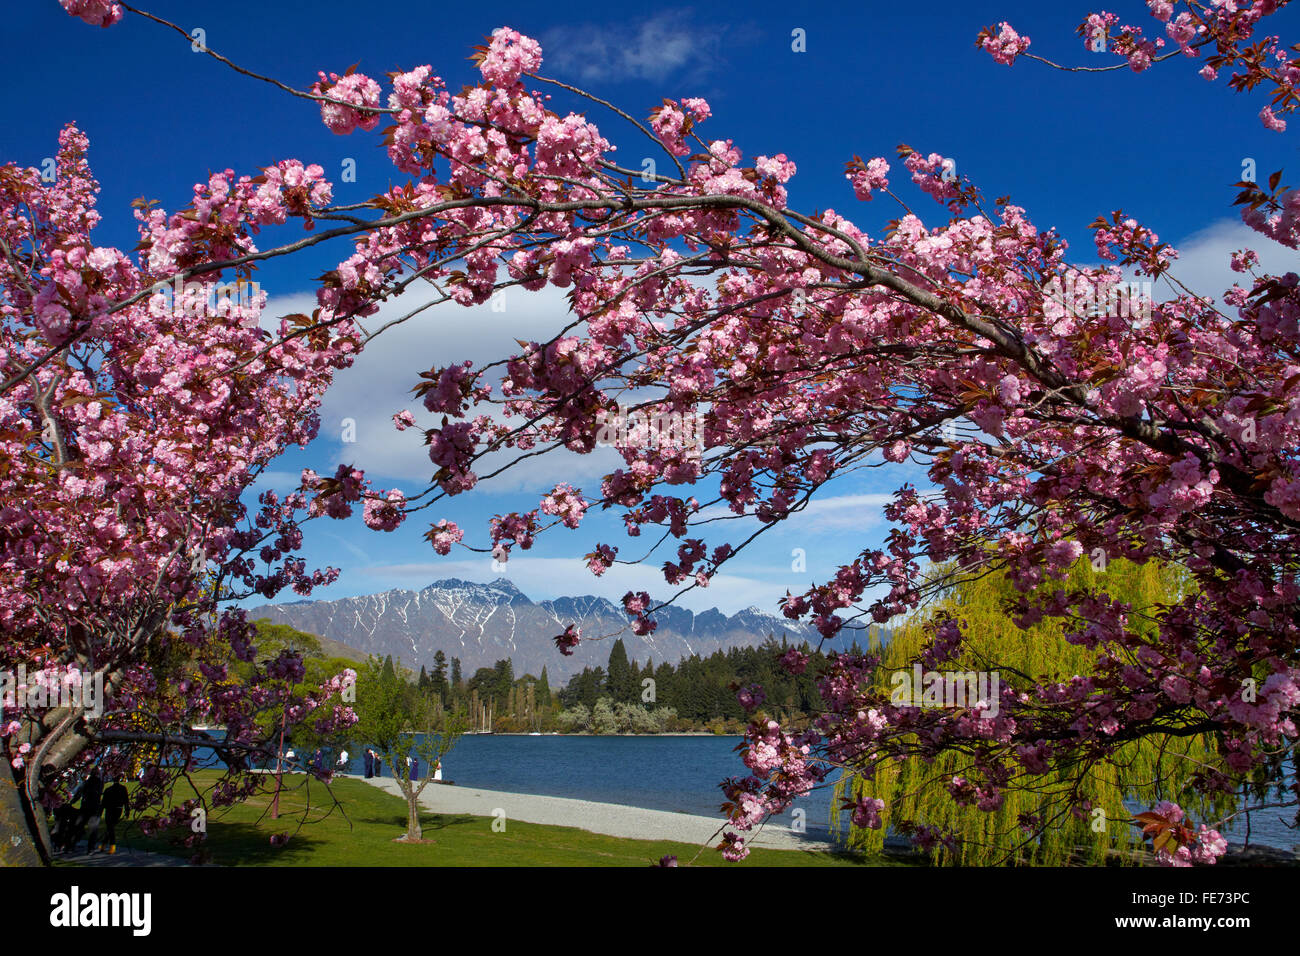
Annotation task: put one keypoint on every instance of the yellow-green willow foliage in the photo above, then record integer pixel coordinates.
(1142, 772)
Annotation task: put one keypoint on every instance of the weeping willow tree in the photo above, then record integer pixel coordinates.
(1074, 812)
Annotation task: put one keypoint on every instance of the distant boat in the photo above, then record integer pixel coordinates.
(535, 733)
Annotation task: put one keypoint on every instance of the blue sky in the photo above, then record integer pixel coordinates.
(1165, 146)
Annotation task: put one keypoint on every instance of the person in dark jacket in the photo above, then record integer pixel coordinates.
(415, 769)
(114, 807)
(92, 796)
(67, 827)
(379, 766)
(369, 761)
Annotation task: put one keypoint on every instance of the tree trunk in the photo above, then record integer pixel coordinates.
(18, 842)
(414, 832)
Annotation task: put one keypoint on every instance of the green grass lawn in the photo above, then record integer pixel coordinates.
(362, 830)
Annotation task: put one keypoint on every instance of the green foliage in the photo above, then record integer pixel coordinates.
(505, 678)
(438, 676)
(271, 641)
(399, 720)
(273, 638)
(701, 691)
(575, 719)
(617, 717)
(584, 688)
(1075, 811)
(396, 719)
(486, 683)
(622, 680)
(602, 717)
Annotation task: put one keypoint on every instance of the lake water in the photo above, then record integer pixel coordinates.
(680, 774)
(660, 773)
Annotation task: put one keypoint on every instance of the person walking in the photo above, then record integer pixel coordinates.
(115, 798)
(415, 769)
(67, 827)
(92, 797)
(369, 760)
(379, 766)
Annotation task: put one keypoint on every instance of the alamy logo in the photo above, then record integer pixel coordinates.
(44, 689)
(666, 431)
(201, 298)
(1082, 298)
(76, 909)
(920, 688)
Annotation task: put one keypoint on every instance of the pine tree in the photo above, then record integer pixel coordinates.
(543, 690)
(438, 679)
(621, 686)
(664, 686)
(503, 681)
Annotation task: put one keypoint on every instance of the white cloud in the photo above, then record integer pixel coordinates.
(278, 480)
(842, 511)
(379, 383)
(1203, 257)
(652, 49)
(827, 515)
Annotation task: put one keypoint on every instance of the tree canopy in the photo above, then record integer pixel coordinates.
(767, 352)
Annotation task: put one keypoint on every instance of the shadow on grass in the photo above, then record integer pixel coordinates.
(428, 821)
(237, 844)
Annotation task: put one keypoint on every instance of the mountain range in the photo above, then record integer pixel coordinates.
(483, 623)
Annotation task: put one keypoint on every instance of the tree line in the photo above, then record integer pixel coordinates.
(698, 693)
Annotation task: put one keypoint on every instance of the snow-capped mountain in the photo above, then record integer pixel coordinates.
(484, 623)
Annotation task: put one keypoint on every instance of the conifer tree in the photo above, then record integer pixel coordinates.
(621, 687)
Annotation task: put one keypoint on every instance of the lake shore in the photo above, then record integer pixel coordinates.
(611, 819)
(587, 733)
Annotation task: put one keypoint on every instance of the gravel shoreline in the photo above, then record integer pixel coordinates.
(612, 819)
